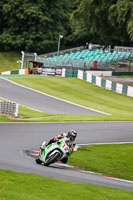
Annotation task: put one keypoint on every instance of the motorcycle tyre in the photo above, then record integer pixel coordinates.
(52, 159)
(38, 161)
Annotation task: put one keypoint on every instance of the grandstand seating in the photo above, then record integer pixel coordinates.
(85, 58)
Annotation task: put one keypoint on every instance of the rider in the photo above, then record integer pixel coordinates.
(71, 136)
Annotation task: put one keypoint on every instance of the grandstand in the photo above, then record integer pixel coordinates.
(87, 59)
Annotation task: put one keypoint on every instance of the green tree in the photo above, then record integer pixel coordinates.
(33, 25)
(121, 20)
(105, 22)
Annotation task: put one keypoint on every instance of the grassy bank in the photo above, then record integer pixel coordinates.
(8, 61)
(29, 113)
(119, 107)
(81, 92)
(26, 114)
(19, 186)
(113, 160)
(124, 76)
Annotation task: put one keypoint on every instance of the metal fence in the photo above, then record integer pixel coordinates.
(9, 108)
(62, 52)
(123, 49)
(64, 60)
(72, 50)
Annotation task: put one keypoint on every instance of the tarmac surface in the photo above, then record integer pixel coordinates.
(124, 81)
(40, 101)
(15, 138)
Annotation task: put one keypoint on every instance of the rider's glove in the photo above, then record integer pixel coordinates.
(57, 137)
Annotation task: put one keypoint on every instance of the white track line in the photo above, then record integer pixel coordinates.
(56, 97)
(99, 174)
(104, 143)
(22, 105)
(79, 145)
(67, 122)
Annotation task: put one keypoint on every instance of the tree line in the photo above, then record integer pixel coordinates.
(35, 25)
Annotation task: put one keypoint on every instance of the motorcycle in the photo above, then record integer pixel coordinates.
(54, 152)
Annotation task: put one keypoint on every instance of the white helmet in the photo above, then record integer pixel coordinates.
(72, 134)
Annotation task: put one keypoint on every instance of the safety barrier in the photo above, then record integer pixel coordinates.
(19, 71)
(94, 77)
(107, 84)
(9, 108)
(100, 81)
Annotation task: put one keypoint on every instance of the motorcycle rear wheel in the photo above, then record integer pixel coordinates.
(52, 159)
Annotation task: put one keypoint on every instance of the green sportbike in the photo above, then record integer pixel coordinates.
(54, 152)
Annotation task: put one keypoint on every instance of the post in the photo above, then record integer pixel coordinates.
(22, 61)
(60, 36)
(35, 54)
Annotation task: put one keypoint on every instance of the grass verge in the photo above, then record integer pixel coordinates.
(8, 61)
(28, 186)
(124, 76)
(26, 113)
(81, 92)
(113, 159)
(119, 106)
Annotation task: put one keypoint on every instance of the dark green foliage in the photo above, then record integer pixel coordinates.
(36, 25)
(108, 22)
(32, 25)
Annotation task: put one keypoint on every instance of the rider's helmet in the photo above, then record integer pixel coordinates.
(72, 134)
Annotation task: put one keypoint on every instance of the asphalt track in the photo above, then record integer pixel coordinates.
(39, 101)
(17, 137)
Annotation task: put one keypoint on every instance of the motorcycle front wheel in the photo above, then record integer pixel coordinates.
(38, 161)
(52, 159)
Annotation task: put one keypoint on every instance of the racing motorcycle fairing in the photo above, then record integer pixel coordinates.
(54, 152)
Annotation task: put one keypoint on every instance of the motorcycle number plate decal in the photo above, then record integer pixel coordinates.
(65, 147)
